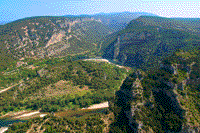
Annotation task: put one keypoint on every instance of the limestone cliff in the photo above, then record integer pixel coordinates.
(148, 40)
(124, 108)
(156, 103)
(56, 37)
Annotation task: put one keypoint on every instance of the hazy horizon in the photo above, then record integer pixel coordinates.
(17, 9)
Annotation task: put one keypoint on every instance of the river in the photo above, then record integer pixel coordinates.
(4, 124)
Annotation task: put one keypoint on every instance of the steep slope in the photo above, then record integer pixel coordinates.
(45, 36)
(164, 100)
(49, 36)
(6, 58)
(146, 40)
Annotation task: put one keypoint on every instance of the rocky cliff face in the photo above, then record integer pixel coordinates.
(144, 44)
(124, 108)
(126, 48)
(155, 104)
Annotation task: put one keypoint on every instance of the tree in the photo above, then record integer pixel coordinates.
(70, 67)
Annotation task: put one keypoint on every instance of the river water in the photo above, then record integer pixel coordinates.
(4, 124)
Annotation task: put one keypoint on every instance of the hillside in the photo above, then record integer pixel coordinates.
(57, 36)
(148, 39)
(51, 36)
(164, 100)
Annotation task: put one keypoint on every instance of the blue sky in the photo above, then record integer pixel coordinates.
(11, 10)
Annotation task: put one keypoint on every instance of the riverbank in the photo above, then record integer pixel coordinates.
(98, 106)
(3, 129)
(105, 60)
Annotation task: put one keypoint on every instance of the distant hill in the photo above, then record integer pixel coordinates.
(2, 23)
(49, 36)
(148, 39)
(118, 21)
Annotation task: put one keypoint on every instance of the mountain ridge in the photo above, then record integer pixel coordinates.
(30, 36)
(157, 36)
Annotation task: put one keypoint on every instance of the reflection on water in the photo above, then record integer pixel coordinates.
(6, 123)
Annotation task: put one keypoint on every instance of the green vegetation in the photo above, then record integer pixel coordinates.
(91, 122)
(38, 37)
(170, 99)
(13, 74)
(146, 41)
(102, 79)
(187, 95)
(37, 92)
(66, 84)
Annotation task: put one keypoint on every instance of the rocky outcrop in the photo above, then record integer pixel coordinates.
(57, 37)
(20, 63)
(124, 58)
(116, 49)
(167, 103)
(70, 24)
(127, 47)
(42, 72)
(161, 97)
(124, 107)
